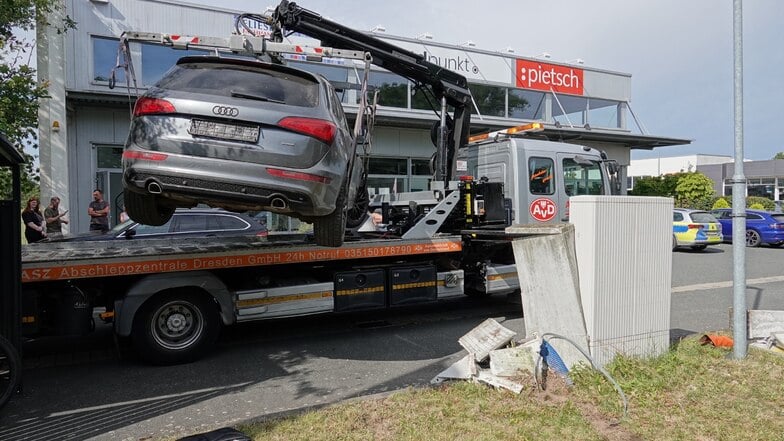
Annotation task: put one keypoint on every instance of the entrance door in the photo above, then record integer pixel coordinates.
(109, 178)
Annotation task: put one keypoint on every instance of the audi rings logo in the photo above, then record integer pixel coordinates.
(225, 111)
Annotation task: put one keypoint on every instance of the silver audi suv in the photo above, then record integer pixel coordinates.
(244, 135)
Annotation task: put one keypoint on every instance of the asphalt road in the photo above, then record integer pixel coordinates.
(85, 389)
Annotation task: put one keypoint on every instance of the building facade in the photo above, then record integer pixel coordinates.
(84, 124)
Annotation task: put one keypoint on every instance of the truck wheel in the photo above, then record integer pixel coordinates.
(328, 230)
(146, 209)
(10, 370)
(175, 328)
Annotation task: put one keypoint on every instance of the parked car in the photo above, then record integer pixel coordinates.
(244, 135)
(695, 228)
(761, 226)
(193, 222)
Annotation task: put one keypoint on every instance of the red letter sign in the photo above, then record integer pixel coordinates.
(543, 209)
(543, 76)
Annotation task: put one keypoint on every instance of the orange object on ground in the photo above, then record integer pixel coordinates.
(718, 341)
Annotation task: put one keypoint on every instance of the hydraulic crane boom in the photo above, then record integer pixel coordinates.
(445, 86)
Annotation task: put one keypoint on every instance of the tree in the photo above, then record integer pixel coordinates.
(694, 190)
(779, 155)
(656, 185)
(19, 88)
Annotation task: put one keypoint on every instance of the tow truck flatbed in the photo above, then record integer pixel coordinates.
(78, 260)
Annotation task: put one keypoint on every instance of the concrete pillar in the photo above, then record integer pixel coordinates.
(52, 124)
(547, 270)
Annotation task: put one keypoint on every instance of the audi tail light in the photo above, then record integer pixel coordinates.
(289, 174)
(147, 156)
(152, 106)
(777, 226)
(320, 129)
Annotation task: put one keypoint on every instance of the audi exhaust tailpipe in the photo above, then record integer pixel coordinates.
(154, 188)
(279, 203)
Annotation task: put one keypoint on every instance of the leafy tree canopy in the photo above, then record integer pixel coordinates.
(779, 155)
(19, 87)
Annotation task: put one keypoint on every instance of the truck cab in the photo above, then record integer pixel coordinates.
(539, 176)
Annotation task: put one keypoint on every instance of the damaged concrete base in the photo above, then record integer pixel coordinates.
(505, 365)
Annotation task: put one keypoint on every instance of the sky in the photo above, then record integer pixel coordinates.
(679, 53)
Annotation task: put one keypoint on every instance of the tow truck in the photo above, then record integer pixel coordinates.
(172, 297)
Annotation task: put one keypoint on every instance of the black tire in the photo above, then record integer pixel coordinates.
(753, 238)
(674, 243)
(699, 247)
(328, 231)
(178, 327)
(10, 370)
(359, 209)
(147, 209)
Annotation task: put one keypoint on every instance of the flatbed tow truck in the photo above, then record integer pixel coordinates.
(171, 297)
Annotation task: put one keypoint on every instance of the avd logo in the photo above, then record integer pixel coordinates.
(543, 209)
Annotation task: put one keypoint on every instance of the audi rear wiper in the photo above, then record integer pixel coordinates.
(251, 96)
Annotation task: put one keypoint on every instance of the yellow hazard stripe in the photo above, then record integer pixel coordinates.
(414, 285)
(282, 299)
(501, 276)
(359, 291)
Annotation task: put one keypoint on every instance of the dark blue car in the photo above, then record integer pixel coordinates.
(761, 227)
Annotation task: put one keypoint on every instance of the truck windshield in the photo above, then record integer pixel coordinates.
(582, 179)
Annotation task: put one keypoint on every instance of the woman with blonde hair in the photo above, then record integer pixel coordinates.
(35, 230)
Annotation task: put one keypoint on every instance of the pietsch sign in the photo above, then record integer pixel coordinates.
(543, 76)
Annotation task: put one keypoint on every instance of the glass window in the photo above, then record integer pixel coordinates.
(582, 179)
(225, 223)
(109, 156)
(387, 166)
(574, 108)
(157, 60)
(145, 230)
(491, 100)
(226, 79)
(105, 58)
(702, 217)
(190, 223)
(540, 172)
(602, 113)
(752, 216)
(676, 216)
(420, 167)
(392, 89)
(526, 104)
(422, 101)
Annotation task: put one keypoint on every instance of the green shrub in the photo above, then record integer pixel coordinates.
(720, 203)
(756, 206)
(764, 203)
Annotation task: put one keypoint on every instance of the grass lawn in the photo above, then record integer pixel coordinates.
(692, 392)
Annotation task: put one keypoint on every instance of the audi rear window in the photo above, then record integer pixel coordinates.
(702, 217)
(246, 82)
(778, 218)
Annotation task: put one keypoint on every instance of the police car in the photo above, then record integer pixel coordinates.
(695, 228)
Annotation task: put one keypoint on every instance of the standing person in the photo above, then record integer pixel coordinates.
(35, 230)
(123, 215)
(54, 219)
(99, 212)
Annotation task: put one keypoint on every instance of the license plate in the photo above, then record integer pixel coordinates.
(234, 132)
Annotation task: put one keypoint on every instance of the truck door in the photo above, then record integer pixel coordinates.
(542, 199)
(579, 175)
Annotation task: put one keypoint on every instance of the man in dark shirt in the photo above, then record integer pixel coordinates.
(99, 212)
(54, 219)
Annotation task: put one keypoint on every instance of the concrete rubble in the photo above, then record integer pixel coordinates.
(493, 358)
(766, 329)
